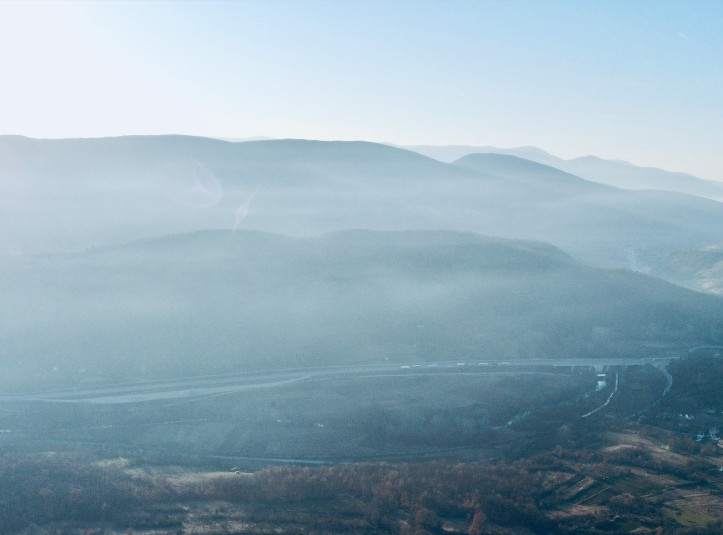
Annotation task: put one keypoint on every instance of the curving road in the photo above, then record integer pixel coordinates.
(203, 386)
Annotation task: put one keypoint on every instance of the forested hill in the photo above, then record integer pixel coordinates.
(219, 301)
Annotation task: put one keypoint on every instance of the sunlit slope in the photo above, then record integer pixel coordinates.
(219, 301)
(698, 269)
(64, 195)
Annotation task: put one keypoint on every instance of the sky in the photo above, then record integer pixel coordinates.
(640, 81)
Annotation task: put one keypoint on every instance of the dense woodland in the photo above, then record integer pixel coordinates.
(72, 494)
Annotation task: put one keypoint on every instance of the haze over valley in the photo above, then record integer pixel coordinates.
(311, 267)
(295, 301)
(130, 258)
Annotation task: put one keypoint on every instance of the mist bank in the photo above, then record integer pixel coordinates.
(222, 301)
(68, 195)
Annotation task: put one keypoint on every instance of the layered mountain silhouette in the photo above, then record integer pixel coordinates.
(67, 195)
(611, 172)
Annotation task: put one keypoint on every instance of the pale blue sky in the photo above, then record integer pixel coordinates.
(634, 80)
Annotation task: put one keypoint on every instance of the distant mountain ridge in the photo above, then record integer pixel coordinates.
(617, 173)
(68, 195)
(529, 172)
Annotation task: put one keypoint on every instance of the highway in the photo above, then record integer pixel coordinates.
(212, 385)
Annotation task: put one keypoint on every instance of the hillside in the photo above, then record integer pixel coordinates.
(540, 178)
(700, 269)
(221, 301)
